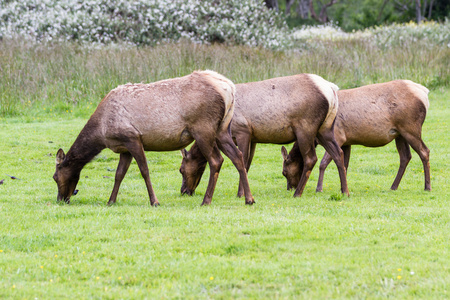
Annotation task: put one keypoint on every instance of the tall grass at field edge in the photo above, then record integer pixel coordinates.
(64, 80)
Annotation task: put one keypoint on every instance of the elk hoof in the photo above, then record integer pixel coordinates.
(240, 192)
(250, 202)
(156, 204)
(186, 192)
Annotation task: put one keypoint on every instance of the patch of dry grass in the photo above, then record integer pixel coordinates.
(65, 78)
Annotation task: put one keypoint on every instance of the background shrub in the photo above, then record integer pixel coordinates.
(407, 34)
(243, 22)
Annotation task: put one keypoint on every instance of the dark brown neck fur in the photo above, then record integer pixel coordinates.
(87, 145)
(295, 153)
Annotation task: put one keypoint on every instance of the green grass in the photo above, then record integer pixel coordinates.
(377, 243)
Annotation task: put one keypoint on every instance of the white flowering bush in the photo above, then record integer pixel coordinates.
(432, 33)
(145, 22)
(329, 31)
(401, 34)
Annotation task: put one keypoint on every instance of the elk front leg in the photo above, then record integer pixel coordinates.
(309, 160)
(328, 141)
(215, 164)
(215, 160)
(326, 161)
(347, 150)
(323, 166)
(122, 168)
(243, 143)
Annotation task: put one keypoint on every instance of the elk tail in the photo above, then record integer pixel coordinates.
(226, 88)
(420, 91)
(329, 91)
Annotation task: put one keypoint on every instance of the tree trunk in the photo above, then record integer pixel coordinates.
(323, 16)
(303, 9)
(418, 15)
(381, 10)
(289, 4)
(272, 4)
(424, 8)
(430, 9)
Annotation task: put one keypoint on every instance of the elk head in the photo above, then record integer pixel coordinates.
(292, 169)
(66, 178)
(192, 168)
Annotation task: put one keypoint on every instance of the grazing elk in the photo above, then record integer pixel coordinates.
(162, 116)
(373, 116)
(278, 111)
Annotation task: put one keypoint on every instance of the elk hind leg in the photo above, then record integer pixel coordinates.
(405, 156)
(422, 150)
(225, 143)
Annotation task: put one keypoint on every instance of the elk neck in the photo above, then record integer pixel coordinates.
(87, 145)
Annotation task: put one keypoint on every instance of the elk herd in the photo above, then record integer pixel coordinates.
(207, 108)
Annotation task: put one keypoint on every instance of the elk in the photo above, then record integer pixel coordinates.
(373, 116)
(278, 111)
(163, 116)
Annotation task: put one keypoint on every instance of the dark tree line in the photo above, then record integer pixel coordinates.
(361, 13)
(305, 8)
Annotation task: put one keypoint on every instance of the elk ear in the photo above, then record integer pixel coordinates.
(284, 153)
(184, 153)
(60, 156)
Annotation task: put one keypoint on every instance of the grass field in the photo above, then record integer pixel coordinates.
(377, 243)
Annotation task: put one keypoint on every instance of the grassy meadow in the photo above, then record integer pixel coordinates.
(377, 243)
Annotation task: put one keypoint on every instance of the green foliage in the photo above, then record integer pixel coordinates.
(357, 15)
(336, 197)
(360, 14)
